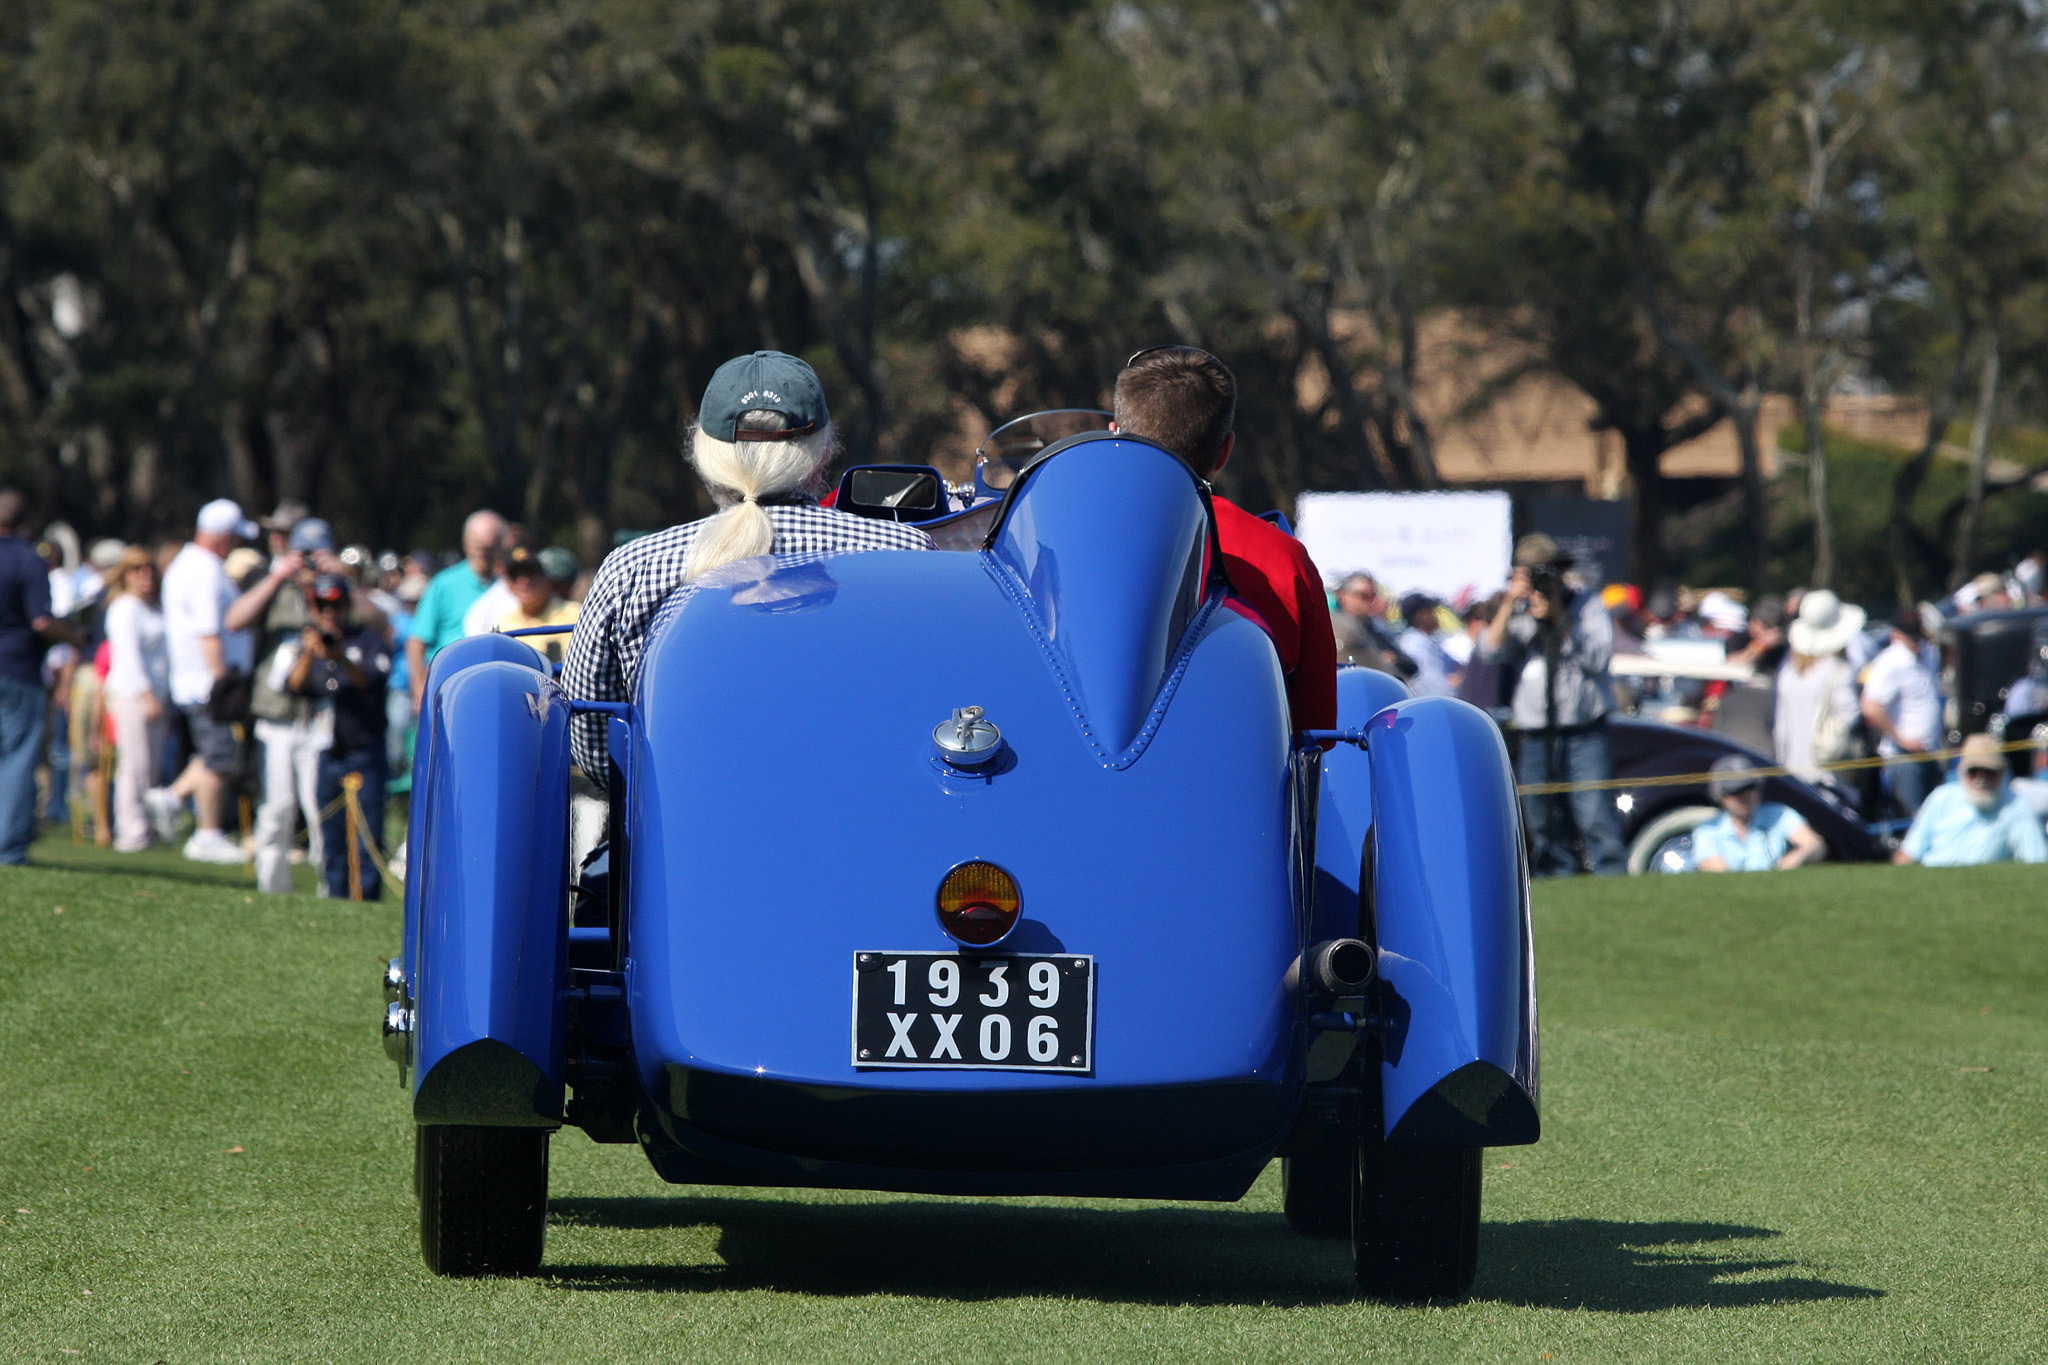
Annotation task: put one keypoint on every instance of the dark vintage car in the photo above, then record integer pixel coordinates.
(1657, 818)
(1989, 652)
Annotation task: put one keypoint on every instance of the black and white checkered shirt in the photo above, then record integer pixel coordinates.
(604, 654)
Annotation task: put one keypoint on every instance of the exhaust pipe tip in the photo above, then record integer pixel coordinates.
(1341, 966)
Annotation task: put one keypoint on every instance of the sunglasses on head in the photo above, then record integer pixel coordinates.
(1137, 356)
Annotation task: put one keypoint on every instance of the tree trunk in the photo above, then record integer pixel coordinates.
(1755, 516)
(1906, 483)
(1643, 453)
(1980, 442)
(1810, 401)
(512, 360)
(1821, 151)
(1817, 494)
(1742, 408)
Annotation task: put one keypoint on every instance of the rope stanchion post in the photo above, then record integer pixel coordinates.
(102, 798)
(362, 838)
(351, 788)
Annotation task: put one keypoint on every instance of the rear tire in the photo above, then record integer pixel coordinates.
(483, 1198)
(1315, 1191)
(1415, 1220)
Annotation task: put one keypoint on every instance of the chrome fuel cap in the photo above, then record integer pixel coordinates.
(966, 740)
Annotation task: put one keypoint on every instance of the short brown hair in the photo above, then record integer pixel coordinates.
(1181, 398)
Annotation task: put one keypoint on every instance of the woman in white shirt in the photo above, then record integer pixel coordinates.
(137, 689)
(1816, 707)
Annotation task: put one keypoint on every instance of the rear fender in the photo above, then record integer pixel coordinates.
(461, 654)
(1450, 911)
(492, 874)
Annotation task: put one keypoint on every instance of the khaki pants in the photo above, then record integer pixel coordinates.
(291, 779)
(137, 740)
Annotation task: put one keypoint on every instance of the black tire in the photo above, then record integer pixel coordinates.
(483, 1199)
(1668, 828)
(1415, 1220)
(1315, 1191)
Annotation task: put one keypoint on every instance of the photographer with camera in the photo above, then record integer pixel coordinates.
(1557, 644)
(343, 671)
(275, 607)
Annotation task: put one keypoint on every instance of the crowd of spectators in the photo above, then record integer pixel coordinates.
(222, 691)
(219, 693)
(1806, 679)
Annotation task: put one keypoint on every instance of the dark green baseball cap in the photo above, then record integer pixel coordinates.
(766, 381)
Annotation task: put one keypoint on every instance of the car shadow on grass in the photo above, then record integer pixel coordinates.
(972, 1251)
(975, 1251)
(1615, 1267)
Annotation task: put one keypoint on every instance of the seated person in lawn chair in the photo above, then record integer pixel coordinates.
(1751, 834)
(1976, 818)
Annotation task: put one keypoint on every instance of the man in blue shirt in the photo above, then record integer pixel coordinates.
(25, 625)
(1750, 834)
(1977, 818)
(437, 621)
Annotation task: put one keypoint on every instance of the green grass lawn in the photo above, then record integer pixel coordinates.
(1788, 1117)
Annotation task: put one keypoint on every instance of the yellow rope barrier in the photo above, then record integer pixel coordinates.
(360, 835)
(1693, 779)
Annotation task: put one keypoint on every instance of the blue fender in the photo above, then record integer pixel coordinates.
(493, 875)
(461, 654)
(1450, 916)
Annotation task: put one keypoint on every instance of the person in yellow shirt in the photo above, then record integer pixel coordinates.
(539, 602)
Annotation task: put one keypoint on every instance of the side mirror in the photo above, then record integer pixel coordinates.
(892, 492)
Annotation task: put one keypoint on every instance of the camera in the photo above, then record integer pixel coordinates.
(1544, 579)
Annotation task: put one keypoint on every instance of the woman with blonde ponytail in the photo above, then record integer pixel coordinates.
(761, 443)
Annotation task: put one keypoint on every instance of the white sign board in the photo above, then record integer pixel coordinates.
(1451, 545)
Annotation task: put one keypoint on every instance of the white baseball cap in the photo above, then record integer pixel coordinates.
(223, 516)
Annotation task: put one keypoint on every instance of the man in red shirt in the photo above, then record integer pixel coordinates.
(1184, 400)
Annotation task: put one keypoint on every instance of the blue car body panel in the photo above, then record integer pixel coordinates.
(1450, 916)
(784, 809)
(1448, 910)
(452, 659)
(1191, 951)
(491, 957)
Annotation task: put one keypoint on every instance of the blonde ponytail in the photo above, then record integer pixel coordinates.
(740, 474)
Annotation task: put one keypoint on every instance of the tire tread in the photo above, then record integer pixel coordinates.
(483, 1199)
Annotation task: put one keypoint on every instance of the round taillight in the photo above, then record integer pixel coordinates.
(978, 903)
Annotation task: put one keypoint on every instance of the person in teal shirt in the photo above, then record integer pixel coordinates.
(1977, 818)
(1751, 834)
(438, 620)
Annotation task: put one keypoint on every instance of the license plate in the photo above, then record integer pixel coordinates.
(992, 1011)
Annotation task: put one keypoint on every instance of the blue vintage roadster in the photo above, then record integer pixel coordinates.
(983, 873)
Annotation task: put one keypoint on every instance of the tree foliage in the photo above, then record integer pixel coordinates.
(401, 259)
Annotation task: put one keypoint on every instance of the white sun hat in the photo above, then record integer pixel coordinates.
(1825, 625)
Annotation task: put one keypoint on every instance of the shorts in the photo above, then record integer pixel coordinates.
(213, 742)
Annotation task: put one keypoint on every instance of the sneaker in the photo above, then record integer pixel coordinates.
(163, 812)
(211, 846)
